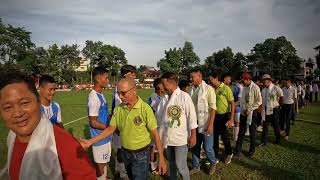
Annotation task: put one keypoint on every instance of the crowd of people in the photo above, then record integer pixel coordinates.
(181, 116)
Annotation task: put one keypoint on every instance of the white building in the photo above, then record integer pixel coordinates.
(84, 64)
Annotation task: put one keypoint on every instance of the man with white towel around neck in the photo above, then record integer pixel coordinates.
(37, 149)
(272, 98)
(249, 103)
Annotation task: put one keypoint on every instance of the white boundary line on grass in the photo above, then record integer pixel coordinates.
(75, 120)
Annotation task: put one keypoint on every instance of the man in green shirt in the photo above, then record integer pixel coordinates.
(135, 121)
(224, 115)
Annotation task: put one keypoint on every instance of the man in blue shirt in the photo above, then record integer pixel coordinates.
(99, 120)
(49, 108)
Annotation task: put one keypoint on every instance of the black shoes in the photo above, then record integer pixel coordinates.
(249, 154)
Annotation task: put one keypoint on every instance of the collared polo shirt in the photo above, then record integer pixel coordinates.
(134, 125)
(289, 95)
(224, 96)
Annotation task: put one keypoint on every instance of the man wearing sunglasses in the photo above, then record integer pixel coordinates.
(135, 121)
(127, 71)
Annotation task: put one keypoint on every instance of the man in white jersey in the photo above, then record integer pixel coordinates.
(154, 102)
(127, 71)
(310, 92)
(99, 120)
(237, 91)
(49, 108)
(289, 103)
(315, 91)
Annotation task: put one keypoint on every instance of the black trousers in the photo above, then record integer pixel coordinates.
(220, 128)
(242, 132)
(316, 96)
(286, 111)
(274, 120)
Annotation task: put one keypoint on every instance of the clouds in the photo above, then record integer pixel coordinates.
(146, 28)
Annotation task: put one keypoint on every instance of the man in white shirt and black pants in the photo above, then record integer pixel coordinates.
(272, 97)
(310, 92)
(315, 91)
(249, 103)
(289, 101)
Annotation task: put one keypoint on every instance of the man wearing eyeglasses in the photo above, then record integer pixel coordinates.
(135, 121)
(127, 71)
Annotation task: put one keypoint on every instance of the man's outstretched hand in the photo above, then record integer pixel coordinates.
(85, 143)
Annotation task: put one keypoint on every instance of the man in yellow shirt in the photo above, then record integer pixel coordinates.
(224, 115)
(135, 121)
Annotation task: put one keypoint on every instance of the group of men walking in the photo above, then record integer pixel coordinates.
(195, 118)
(176, 119)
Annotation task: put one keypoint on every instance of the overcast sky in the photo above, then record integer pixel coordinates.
(144, 29)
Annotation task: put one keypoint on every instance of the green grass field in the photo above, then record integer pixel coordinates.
(299, 158)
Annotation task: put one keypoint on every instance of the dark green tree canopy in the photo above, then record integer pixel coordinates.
(15, 44)
(274, 54)
(104, 54)
(317, 49)
(179, 60)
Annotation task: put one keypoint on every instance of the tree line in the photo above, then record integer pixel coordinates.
(276, 56)
(18, 51)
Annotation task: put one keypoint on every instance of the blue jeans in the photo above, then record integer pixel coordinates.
(208, 147)
(242, 132)
(177, 157)
(137, 164)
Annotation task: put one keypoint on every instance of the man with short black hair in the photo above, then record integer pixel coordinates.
(49, 108)
(237, 92)
(310, 90)
(37, 149)
(204, 100)
(99, 120)
(227, 79)
(315, 91)
(224, 115)
(155, 98)
(289, 101)
(154, 102)
(184, 85)
(178, 125)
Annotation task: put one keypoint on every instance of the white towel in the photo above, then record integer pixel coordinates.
(249, 118)
(40, 160)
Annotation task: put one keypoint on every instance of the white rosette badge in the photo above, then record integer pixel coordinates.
(174, 113)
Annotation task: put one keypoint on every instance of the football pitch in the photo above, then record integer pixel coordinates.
(299, 158)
